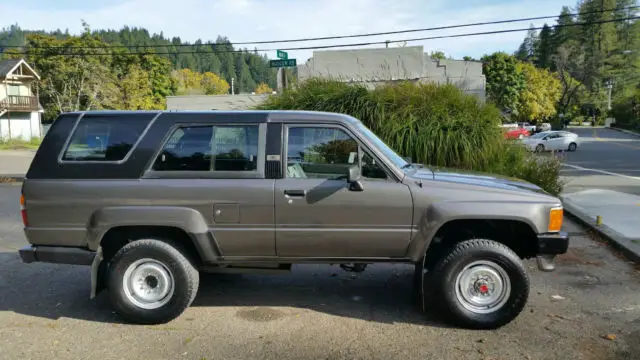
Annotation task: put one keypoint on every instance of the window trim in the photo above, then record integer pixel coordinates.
(65, 147)
(361, 145)
(259, 173)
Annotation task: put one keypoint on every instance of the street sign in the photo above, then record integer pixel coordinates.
(282, 54)
(282, 63)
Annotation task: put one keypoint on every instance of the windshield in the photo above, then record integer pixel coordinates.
(539, 135)
(396, 159)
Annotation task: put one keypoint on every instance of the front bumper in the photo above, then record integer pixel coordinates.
(550, 245)
(57, 255)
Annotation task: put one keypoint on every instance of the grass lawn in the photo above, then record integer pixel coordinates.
(15, 144)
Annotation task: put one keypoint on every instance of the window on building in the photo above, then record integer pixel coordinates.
(108, 138)
(210, 148)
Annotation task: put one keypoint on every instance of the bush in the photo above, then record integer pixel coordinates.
(434, 124)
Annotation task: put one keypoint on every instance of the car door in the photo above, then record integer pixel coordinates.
(317, 215)
(553, 142)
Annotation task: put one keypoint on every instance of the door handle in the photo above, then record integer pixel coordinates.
(295, 193)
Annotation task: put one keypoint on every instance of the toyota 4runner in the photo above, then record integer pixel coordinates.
(149, 199)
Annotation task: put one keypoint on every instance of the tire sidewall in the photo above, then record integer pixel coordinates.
(178, 302)
(517, 297)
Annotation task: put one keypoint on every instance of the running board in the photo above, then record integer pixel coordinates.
(249, 269)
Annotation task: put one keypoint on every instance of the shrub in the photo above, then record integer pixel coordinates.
(434, 124)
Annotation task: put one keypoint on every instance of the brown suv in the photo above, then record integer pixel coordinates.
(149, 199)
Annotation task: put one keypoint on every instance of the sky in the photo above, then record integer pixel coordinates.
(257, 20)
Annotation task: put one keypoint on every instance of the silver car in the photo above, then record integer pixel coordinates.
(552, 141)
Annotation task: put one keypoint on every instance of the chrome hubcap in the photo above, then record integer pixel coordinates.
(148, 284)
(483, 287)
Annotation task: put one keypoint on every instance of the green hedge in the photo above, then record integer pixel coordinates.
(437, 125)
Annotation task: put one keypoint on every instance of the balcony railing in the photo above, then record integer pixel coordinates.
(19, 103)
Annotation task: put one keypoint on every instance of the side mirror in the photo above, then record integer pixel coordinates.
(353, 178)
(408, 159)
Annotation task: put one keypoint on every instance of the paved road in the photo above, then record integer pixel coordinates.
(607, 159)
(316, 312)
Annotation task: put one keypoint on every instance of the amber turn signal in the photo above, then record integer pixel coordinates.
(555, 219)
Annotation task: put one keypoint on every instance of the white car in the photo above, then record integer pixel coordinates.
(552, 141)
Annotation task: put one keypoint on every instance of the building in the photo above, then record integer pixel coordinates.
(20, 110)
(214, 102)
(372, 67)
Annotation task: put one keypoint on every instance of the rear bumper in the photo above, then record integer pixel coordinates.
(57, 255)
(550, 245)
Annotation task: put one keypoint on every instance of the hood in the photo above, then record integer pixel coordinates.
(476, 178)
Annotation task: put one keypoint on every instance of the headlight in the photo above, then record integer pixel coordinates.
(555, 219)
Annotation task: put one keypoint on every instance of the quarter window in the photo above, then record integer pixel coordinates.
(105, 138)
(210, 148)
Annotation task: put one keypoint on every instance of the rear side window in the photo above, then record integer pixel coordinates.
(210, 148)
(105, 138)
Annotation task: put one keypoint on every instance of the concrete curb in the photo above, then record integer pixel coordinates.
(629, 132)
(629, 249)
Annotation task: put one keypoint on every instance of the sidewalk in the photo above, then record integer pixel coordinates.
(620, 214)
(15, 163)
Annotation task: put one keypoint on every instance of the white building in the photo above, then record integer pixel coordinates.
(19, 107)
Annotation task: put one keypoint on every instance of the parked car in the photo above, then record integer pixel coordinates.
(167, 195)
(553, 141)
(515, 133)
(530, 128)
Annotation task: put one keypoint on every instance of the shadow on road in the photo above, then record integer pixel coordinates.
(383, 293)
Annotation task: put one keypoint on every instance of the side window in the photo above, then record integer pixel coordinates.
(371, 169)
(320, 153)
(108, 138)
(210, 148)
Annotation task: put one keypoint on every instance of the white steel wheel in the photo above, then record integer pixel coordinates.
(148, 284)
(482, 287)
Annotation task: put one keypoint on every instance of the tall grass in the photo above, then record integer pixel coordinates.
(434, 124)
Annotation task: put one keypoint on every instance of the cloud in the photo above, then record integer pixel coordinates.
(247, 20)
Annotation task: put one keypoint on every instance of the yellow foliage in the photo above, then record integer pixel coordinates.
(263, 88)
(541, 94)
(212, 84)
(193, 82)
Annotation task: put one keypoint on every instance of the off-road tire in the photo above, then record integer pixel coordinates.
(443, 280)
(185, 278)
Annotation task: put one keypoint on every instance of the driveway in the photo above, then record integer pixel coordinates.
(316, 312)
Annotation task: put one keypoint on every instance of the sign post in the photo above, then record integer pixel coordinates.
(282, 62)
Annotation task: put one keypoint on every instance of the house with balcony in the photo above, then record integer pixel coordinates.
(20, 111)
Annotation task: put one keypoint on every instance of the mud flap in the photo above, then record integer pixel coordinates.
(97, 283)
(418, 284)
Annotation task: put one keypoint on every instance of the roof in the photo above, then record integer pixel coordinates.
(8, 66)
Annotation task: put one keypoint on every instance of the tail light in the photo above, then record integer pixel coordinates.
(23, 211)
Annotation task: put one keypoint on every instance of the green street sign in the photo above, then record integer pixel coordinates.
(282, 54)
(282, 63)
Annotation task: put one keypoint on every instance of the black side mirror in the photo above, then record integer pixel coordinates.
(408, 159)
(353, 178)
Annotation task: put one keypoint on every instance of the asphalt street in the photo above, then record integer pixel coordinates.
(317, 312)
(606, 159)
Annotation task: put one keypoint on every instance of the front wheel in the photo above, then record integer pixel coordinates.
(483, 284)
(151, 281)
(540, 148)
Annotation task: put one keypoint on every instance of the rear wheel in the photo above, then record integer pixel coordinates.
(482, 284)
(573, 147)
(540, 148)
(151, 281)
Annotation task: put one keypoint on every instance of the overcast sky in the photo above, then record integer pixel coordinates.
(255, 20)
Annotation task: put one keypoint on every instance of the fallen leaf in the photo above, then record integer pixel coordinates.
(557, 297)
(609, 337)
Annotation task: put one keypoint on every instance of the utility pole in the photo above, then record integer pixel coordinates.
(609, 85)
(284, 78)
(232, 90)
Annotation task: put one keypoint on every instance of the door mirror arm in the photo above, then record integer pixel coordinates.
(354, 178)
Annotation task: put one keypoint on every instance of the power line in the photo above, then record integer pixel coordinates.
(342, 36)
(317, 47)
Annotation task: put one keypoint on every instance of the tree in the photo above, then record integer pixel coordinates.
(544, 49)
(527, 50)
(438, 55)
(468, 58)
(542, 91)
(504, 80)
(263, 88)
(568, 62)
(212, 84)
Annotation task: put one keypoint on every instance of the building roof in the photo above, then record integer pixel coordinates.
(8, 66)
